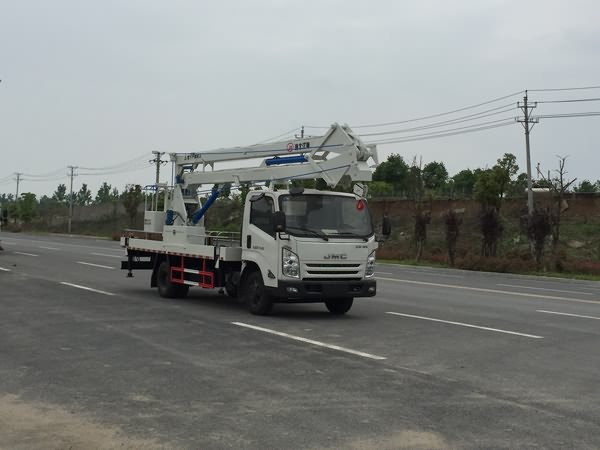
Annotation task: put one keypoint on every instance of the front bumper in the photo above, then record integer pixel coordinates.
(318, 291)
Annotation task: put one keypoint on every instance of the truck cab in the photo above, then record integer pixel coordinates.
(307, 246)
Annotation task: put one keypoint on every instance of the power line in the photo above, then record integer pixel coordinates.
(564, 89)
(44, 175)
(44, 180)
(287, 133)
(466, 127)
(439, 114)
(441, 134)
(568, 115)
(114, 172)
(445, 123)
(570, 100)
(128, 163)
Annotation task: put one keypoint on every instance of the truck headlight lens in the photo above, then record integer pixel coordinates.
(370, 269)
(290, 264)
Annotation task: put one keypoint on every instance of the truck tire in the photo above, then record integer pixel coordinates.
(167, 289)
(339, 305)
(232, 290)
(258, 300)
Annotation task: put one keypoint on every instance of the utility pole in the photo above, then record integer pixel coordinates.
(158, 162)
(18, 174)
(71, 169)
(528, 124)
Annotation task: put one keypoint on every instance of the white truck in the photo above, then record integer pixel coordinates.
(296, 245)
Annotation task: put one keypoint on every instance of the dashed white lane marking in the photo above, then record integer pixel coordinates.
(49, 248)
(489, 291)
(544, 289)
(433, 274)
(468, 325)
(310, 341)
(108, 256)
(85, 288)
(567, 314)
(384, 273)
(95, 265)
(2, 269)
(26, 254)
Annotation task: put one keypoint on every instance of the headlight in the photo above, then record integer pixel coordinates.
(290, 264)
(370, 269)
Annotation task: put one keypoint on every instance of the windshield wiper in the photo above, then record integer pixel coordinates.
(314, 232)
(350, 234)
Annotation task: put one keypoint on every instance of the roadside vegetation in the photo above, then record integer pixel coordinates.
(474, 220)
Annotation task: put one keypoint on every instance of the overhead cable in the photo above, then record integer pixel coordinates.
(568, 115)
(439, 114)
(287, 133)
(128, 163)
(445, 123)
(565, 89)
(574, 100)
(441, 134)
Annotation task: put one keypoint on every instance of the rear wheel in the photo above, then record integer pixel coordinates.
(257, 299)
(339, 305)
(166, 288)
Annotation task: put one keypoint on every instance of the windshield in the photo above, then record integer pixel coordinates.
(326, 216)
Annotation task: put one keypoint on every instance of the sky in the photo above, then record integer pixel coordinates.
(100, 85)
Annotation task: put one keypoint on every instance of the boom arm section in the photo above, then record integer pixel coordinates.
(337, 153)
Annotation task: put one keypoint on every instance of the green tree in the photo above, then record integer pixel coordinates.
(505, 169)
(493, 184)
(84, 196)
(434, 175)
(394, 171)
(27, 207)
(132, 198)
(519, 186)
(380, 189)
(487, 189)
(464, 181)
(104, 194)
(60, 195)
(586, 186)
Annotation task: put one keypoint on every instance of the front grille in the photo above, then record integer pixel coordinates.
(319, 279)
(332, 265)
(332, 270)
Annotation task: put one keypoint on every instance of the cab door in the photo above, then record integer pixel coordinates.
(259, 240)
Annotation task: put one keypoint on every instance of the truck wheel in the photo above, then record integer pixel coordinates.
(167, 289)
(232, 290)
(339, 305)
(257, 299)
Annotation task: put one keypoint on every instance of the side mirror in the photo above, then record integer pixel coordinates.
(386, 227)
(279, 222)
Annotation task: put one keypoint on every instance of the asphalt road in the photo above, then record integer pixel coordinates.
(439, 359)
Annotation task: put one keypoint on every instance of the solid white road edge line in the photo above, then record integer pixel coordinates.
(544, 289)
(4, 270)
(497, 330)
(95, 265)
(109, 256)
(491, 291)
(310, 341)
(85, 288)
(35, 241)
(26, 254)
(566, 314)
